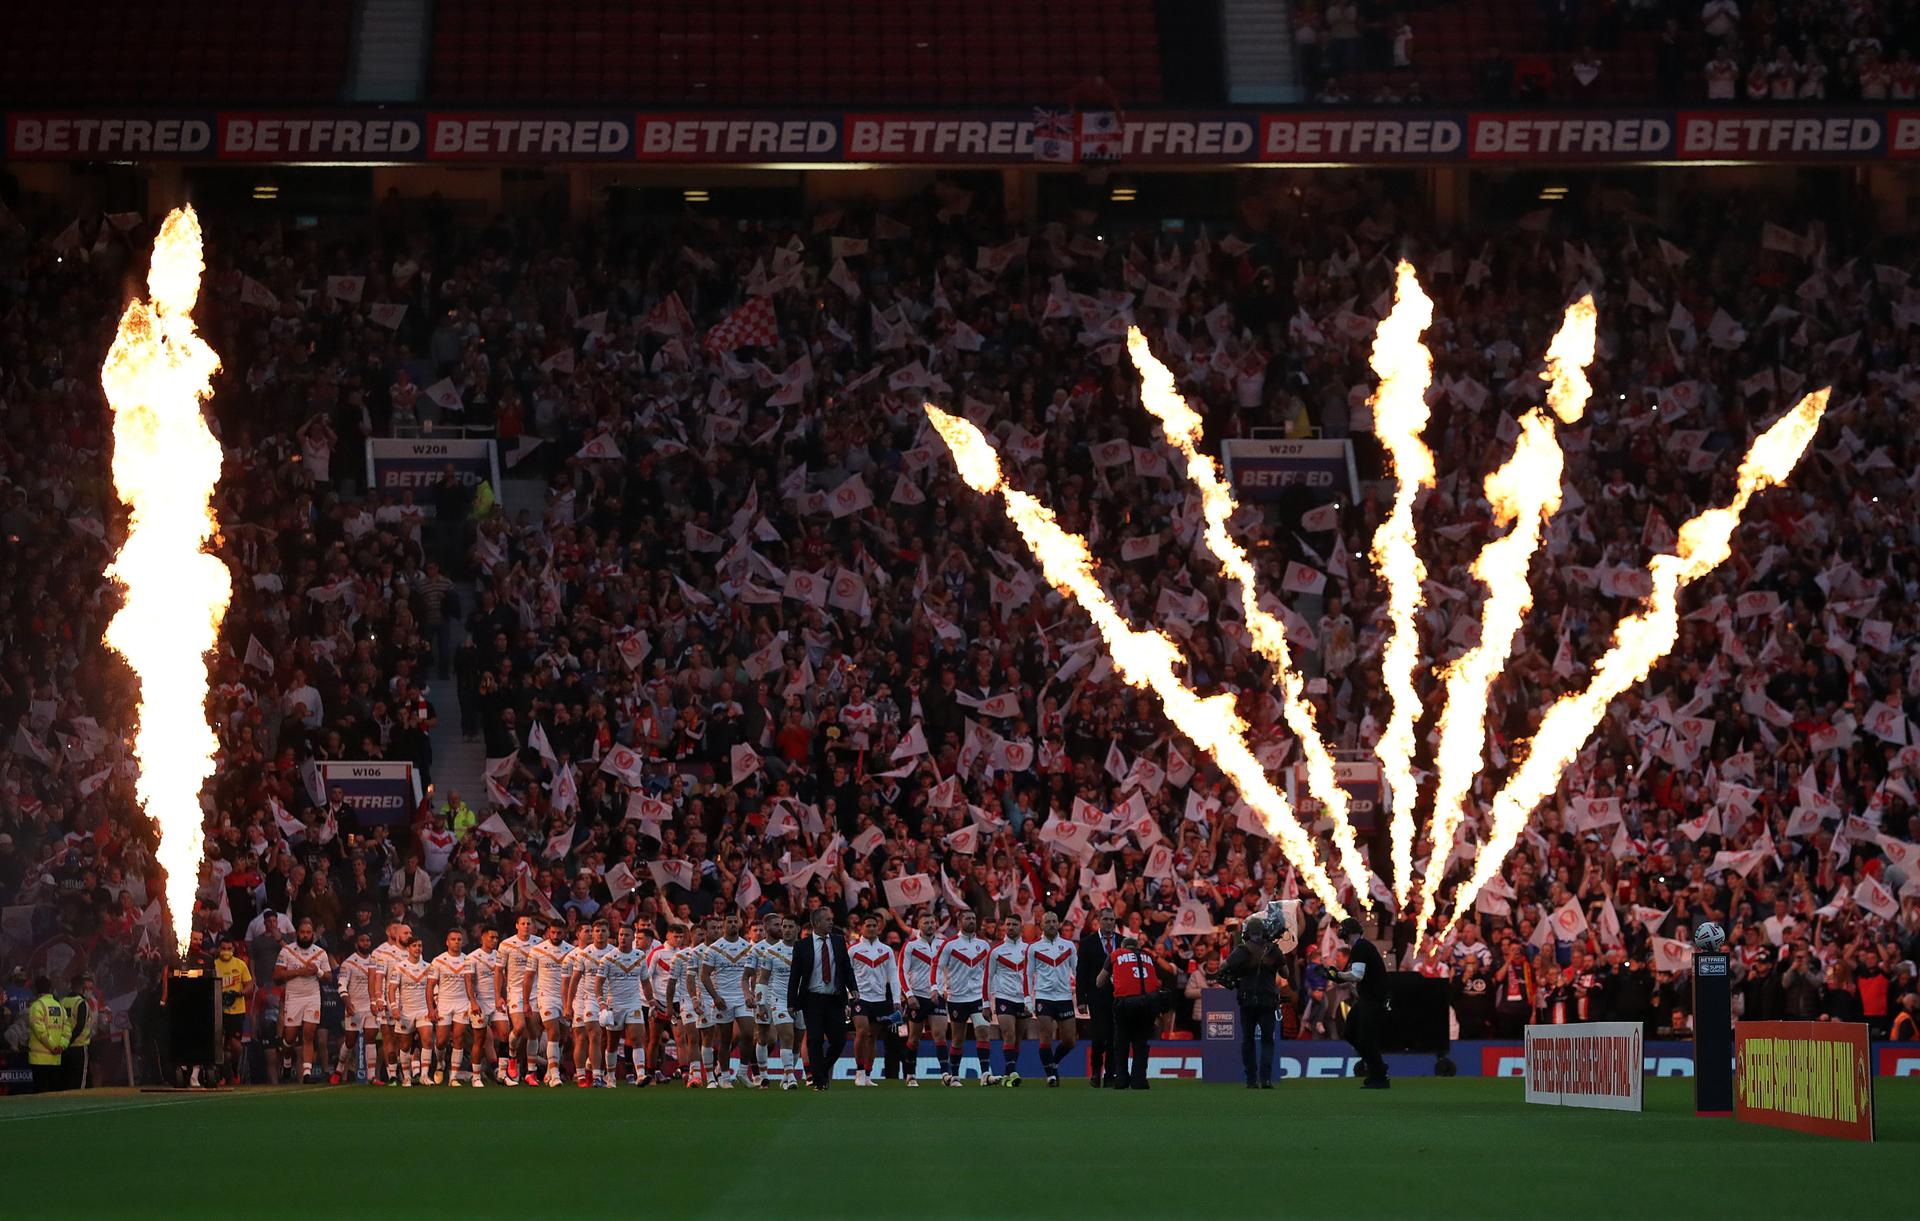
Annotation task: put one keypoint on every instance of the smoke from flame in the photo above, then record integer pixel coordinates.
(1640, 640)
(1524, 494)
(1143, 658)
(165, 466)
(1182, 427)
(1400, 413)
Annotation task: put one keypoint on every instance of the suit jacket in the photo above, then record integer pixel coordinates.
(799, 983)
(1093, 960)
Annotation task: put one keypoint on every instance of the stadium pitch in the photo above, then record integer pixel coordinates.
(1430, 1148)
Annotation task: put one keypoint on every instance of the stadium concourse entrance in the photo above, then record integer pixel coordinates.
(1126, 197)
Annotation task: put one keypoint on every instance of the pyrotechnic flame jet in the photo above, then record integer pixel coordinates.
(1183, 429)
(1143, 658)
(165, 467)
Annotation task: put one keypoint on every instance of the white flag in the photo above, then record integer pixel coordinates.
(257, 655)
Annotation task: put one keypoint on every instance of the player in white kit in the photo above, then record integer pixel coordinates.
(1053, 959)
(410, 997)
(1010, 990)
(689, 1008)
(299, 969)
(661, 959)
(455, 1001)
(543, 993)
(723, 974)
(360, 1024)
(962, 967)
(386, 956)
(926, 1017)
(490, 1031)
(584, 1004)
(626, 997)
(876, 996)
(772, 968)
(515, 965)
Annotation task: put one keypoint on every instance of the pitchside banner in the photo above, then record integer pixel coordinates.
(1809, 1076)
(1265, 470)
(419, 465)
(380, 793)
(1148, 137)
(1585, 1064)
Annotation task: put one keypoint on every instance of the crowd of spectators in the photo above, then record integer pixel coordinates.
(676, 723)
(1722, 50)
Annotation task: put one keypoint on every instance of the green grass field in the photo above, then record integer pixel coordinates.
(1429, 1148)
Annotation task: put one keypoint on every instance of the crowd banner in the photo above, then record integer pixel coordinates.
(1812, 1077)
(1585, 1064)
(1366, 792)
(1266, 470)
(379, 793)
(420, 464)
(1231, 136)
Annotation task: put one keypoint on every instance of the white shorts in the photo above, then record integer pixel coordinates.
(621, 1016)
(488, 1014)
(516, 1007)
(354, 1023)
(550, 1010)
(731, 1011)
(411, 1021)
(777, 1015)
(462, 1016)
(300, 1013)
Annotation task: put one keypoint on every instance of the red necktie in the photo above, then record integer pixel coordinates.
(826, 962)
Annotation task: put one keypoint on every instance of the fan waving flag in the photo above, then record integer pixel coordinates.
(751, 326)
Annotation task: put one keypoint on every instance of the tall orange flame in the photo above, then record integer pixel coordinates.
(1524, 494)
(165, 467)
(1400, 415)
(1143, 658)
(1182, 427)
(1640, 640)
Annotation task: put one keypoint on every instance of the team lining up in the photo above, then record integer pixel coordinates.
(534, 1004)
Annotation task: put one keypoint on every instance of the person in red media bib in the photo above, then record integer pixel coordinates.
(1136, 989)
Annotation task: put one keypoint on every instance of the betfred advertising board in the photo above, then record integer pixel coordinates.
(1585, 1064)
(1814, 1077)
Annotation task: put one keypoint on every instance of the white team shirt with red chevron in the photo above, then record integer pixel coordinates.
(1007, 975)
(920, 965)
(385, 957)
(411, 979)
(451, 972)
(876, 972)
(515, 955)
(304, 988)
(356, 984)
(961, 969)
(1053, 961)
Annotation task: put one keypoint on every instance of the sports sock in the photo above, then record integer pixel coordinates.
(1009, 1056)
(459, 1064)
(776, 1064)
(553, 1055)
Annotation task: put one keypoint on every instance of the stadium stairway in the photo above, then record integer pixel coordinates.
(1259, 49)
(390, 51)
(460, 766)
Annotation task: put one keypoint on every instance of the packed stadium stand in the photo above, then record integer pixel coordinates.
(766, 51)
(95, 51)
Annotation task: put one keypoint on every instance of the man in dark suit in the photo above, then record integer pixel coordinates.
(1096, 946)
(818, 987)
